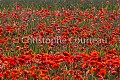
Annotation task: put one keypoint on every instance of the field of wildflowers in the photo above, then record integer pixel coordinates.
(59, 40)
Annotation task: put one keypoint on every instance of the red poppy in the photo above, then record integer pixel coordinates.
(10, 29)
(102, 72)
(42, 75)
(18, 7)
(84, 66)
(82, 0)
(107, 2)
(66, 54)
(1, 75)
(55, 66)
(41, 26)
(1, 30)
(44, 71)
(93, 70)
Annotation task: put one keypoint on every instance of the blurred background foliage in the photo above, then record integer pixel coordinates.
(59, 4)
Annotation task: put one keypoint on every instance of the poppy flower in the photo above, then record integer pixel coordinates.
(9, 29)
(42, 75)
(93, 70)
(18, 7)
(55, 66)
(1, 30)
(44, 71)
(102, 72)
(82, 0)
(66, 54)
(84, 66)
(1, 75)
(113, 72)
(107, 2)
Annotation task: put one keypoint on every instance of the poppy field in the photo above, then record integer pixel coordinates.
(59, 40)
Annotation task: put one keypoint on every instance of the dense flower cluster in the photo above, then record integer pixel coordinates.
(59, 66)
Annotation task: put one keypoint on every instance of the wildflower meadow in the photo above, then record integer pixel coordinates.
(59, 40)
